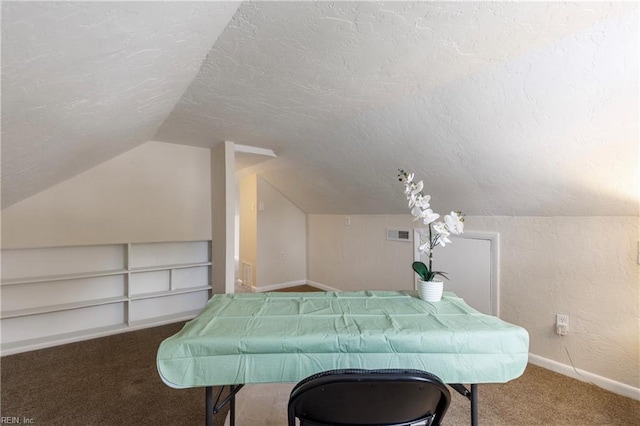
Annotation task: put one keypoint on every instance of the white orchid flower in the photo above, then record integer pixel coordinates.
(443, 233)
(428, 216)
(419, 200)
(416, 212)
(413, 198)
(440, 227)
(454, 223)
(414, 189)
(424, 247)
(417, 187)
(444, 239)
(423, 201)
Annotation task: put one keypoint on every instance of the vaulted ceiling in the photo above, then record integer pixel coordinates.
(502, 108)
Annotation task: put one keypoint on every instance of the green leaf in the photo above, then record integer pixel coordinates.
(422, 270)
(442, 274)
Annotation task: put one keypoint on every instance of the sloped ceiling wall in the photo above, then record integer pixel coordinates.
(83, 82)
(503, 108)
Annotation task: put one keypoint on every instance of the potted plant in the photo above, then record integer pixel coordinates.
(436, 233)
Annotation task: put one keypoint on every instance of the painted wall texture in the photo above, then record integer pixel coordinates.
(273, 235)
(282, 239)
(582, 266)
(358, 256)
(247, 196)
(156, 192)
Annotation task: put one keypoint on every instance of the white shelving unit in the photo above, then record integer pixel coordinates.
(57, 295)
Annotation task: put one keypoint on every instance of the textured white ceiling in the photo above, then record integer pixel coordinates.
(83, 82)
(503, 108)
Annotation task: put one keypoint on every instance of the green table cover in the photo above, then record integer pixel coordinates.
(285, 337)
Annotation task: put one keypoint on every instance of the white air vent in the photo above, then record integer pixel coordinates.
(398, 235)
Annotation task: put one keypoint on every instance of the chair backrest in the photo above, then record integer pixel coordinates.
(369, 397)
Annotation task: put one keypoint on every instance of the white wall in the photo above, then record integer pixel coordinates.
(358, 256)
(582, 266)
(248, 194)
(156, 192)
(282, 239)
(223, 209)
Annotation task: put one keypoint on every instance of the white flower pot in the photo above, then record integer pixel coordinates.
(430, 291)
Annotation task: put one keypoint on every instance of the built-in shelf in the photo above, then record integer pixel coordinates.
(63, 338)
(61, 307)
(165, 319)
(153, 299)
(62, 277)
(169, 267)
(169, 292)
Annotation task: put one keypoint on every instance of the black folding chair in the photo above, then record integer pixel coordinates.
(369, 397)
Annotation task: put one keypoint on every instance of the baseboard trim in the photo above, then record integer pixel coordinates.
(585, 376)
(321, 286)
(278, 286)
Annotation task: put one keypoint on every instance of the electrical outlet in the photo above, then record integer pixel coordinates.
(562, 324)
(282, 255)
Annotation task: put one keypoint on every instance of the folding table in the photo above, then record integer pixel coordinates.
(285, 337)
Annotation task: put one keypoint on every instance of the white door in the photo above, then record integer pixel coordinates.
(470, 262)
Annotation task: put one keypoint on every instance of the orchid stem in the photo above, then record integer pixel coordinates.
(430, 249)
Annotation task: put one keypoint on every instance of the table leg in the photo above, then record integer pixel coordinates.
(232, 409)
(209, 406)
(472, 396)
(474, 405)
(214, 407)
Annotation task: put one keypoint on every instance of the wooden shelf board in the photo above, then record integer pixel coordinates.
(59, 339)
(142, 296)
(169, 267)
(165, 319)
(61, 307)
(76, 336)
(62, 277)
